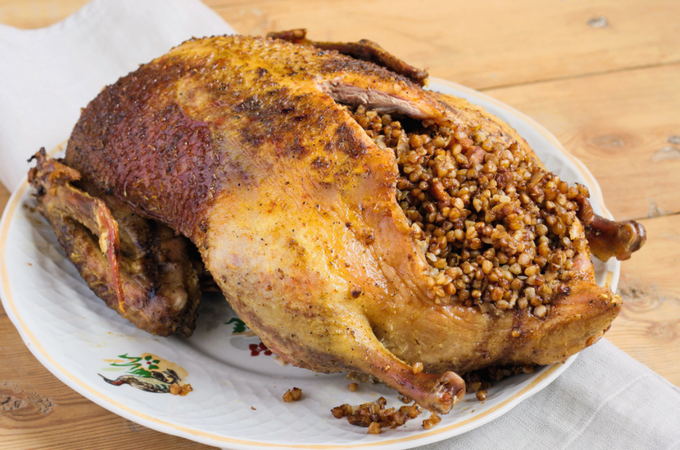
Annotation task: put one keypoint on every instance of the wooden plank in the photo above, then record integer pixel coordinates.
(648, 327)
(36, 13)
(480, 44)
(4, 196)
(485, 43)
(624, 126)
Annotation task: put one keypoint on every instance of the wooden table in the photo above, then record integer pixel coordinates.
(603, 76)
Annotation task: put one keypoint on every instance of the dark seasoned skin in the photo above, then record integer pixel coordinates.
(364, 49)
(240, 144)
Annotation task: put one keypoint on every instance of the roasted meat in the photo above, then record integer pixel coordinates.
(354, 220)
(139, 267)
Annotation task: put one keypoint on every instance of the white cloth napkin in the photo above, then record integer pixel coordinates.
(48, 74)
(604, 400)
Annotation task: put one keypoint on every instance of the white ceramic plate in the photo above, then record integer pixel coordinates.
(236, 397)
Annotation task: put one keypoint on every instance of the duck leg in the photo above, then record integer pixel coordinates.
(608, 238)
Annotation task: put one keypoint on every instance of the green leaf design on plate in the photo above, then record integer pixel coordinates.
(141, 373)
(132, 361)
(239, 325)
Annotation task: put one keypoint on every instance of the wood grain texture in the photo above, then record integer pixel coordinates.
(480, 44)
(648, 327)
(485, 43)
(603, 76)
(624, 126)
(4, 196)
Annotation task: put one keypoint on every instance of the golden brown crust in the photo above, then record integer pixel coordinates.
(240, 144)
(364, 49)
(140, 138)
(123, 131)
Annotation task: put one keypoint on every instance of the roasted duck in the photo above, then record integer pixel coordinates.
(354, 220)
(139, 267)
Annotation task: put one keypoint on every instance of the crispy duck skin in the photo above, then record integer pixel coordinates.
(140, 268)
(364, 49)
(243, 145)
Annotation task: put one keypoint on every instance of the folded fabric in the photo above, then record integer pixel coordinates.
(50, 73)
(604, 400)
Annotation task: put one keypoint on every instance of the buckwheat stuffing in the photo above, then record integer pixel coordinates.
(479, 381)
(431, 421)
(375, 415)
(292, 395)
(404, 399)
(499, 231)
